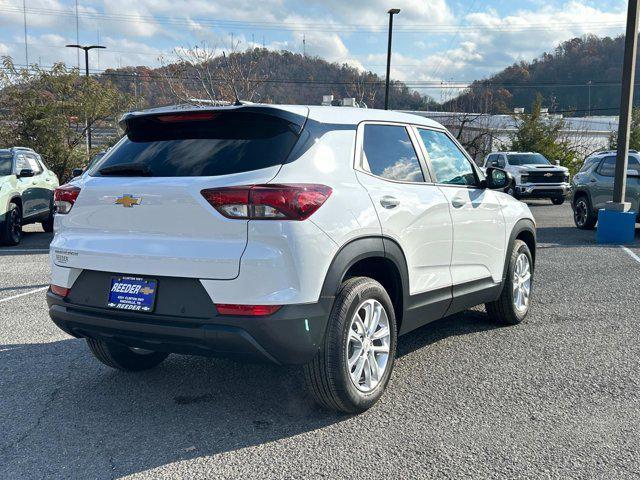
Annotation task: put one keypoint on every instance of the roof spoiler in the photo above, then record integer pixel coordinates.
(194, 114)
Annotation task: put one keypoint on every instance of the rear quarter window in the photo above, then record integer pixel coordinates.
(221, 143)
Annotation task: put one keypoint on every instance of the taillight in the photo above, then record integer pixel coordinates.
(62, 291)
(64, 197)
(268, 202)
(247, 310)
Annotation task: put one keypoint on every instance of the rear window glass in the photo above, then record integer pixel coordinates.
(217, 143)
(389, 153)
(5, 165)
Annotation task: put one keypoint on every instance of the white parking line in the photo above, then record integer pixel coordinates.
(631, 254)
(42, 289)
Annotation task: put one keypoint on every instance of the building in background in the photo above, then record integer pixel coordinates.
(484, 133)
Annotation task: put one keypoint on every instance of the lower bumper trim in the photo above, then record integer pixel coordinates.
(291, 336)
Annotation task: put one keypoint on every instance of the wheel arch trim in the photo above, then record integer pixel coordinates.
(522, 225)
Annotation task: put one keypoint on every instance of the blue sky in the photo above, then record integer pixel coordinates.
(455, 41)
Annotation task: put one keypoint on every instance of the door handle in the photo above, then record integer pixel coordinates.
(458, 202)
(389, 202)
(593, 180)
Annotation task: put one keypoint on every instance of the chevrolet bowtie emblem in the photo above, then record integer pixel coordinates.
(128, 201)
(146, 290)
(548, 174)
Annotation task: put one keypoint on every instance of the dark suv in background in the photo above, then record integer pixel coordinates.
(592, 186)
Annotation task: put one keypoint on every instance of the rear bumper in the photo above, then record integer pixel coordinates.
(292, 335)
(543, 190)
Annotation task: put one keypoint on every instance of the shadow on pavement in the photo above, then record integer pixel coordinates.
(111, 423)
(32, 239)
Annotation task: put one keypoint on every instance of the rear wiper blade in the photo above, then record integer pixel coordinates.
(126, 170)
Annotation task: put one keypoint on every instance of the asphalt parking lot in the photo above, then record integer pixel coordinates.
(555, 397)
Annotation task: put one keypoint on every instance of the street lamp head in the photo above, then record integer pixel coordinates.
(394, 11)
(85, 47)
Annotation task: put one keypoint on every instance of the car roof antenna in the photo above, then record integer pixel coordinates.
(235, 92)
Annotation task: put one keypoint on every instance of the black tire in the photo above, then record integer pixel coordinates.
(328, 376)
(11, 233)
(583, 215)
(47, 225)
(124, 358)
(557, 200)
(503, 310)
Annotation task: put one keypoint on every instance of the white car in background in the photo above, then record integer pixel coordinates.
(289, 234)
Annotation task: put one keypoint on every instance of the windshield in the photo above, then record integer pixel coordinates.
(5, 164)
(175, 146)
(527, 159)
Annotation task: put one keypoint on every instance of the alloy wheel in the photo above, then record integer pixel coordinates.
(581, 212)
(15, 225)
(368, 345)
(521, 283)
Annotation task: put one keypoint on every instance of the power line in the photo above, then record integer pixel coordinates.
(416, 84)
(319, 26)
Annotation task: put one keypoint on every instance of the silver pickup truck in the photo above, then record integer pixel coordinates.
(534, 175)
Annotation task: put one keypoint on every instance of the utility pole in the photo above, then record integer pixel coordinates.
(392, 12)
(616, 223)
(626, 102)
(304, 45)
(87, 127)
(78, 32)
(589, 83)
(26, 43)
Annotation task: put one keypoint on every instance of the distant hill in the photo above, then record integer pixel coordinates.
(560, 77)
(272, 77)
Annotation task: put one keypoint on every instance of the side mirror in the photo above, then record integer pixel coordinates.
(25, 173)
(498, 179)
(556, 163)
(76, 172)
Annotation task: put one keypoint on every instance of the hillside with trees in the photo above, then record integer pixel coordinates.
(565, 79)
(258, 75)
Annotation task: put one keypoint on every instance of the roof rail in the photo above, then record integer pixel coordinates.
(611, 152)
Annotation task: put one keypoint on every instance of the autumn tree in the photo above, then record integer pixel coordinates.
(46, 110)
(541, 133)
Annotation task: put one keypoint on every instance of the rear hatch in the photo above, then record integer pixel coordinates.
(140, 209)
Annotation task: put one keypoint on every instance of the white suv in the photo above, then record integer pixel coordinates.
(291, 234)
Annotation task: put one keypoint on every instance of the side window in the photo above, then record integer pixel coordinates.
(491, 160)
(21, 163)
(588, 163)
(450, 165)
(34, 164)
(388, 152)
(607, 167)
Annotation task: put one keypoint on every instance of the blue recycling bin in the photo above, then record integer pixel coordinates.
(617, 228)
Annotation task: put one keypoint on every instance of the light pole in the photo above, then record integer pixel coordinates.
(392, 12)
(616, 223)
(87, 128)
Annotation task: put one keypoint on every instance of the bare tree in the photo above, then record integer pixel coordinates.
(200, 74)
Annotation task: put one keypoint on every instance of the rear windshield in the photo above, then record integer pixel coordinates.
(205, 144)
(5, 164)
